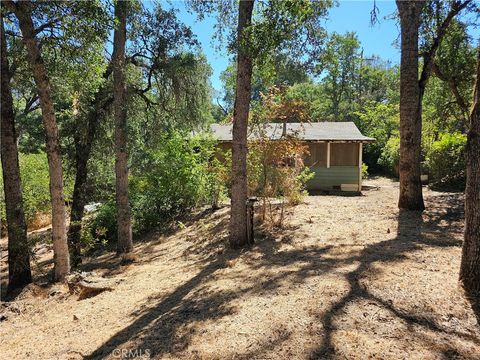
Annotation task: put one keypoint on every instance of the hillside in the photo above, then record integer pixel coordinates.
(348, 277)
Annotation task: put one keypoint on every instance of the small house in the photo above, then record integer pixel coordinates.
(335, 150)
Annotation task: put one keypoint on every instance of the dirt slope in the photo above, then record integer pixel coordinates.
(350, 277)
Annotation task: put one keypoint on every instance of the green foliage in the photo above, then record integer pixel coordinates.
(170, 70)
(444, 111)
(446, 162)
(171, 179)
(339, 63)
(217, 175)
(277, 70)
(364, 170)
(380, 121)
(311, 94)
(72, 36)
(35, 186)
(168, 181)
(284, 26)
(284, 40)
(390, 157)
(101, 226)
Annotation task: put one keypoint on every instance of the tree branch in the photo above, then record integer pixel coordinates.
(429, 55)
(10, 5)
(141, 93)
(452, 83)
(475, 126)
(31, 104)
(49, 24)
(225, 112)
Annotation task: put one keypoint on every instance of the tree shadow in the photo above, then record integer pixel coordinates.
(167, 326)
(410, 237)
(173, 311)
(106, 260)
(163, 328)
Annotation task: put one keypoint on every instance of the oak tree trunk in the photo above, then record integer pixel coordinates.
(239, 190)
(19, 273)
(470, 265)
(124, 229)
(22, 11)
(78, 203)
(83, 149)
(410, 108)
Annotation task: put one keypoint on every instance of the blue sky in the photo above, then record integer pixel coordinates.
(352, 15)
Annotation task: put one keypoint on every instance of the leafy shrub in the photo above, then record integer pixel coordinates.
(171, 179)
(364, 170)
(446, 162)
(218, 174)
(35, 187)
(390, 157)
(275, 166)
(35, 184)
(101, 226)
(276, 171)
(377, 120)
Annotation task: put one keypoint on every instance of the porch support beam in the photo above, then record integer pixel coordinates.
(360, 151)
(328, 155)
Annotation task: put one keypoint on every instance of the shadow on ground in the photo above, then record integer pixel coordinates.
(411, 235)
(157, 327)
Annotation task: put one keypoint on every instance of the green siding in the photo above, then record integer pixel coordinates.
(327, 178)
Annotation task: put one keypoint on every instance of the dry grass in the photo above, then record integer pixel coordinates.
(40, 221)
(348, 277)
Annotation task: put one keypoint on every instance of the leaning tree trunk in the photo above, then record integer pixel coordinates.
(470, 265)
(22, 10)
(19, 273)
(239, 190)
(124, 229)
(82, 154)
(83, 149)
(410, 108)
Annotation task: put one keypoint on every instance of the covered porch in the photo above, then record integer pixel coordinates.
(337, 165)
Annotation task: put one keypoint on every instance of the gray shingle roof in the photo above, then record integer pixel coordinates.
(315, 131)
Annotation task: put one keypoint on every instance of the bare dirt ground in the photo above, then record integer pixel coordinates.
(348, 278)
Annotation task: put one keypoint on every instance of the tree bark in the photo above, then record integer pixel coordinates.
(239, 190)
(410, 108)
(124, 229)
(83, 149)
(19, 273)
(22, 10)
(82, 155)
(412, 89)
(470, 264)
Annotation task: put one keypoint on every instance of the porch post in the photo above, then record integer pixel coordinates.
(328, 155)
(360, 150)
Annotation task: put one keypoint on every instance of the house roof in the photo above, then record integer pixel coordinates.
(314, 131)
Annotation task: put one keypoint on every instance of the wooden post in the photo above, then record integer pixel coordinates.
(328, 155)
(360, 150)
